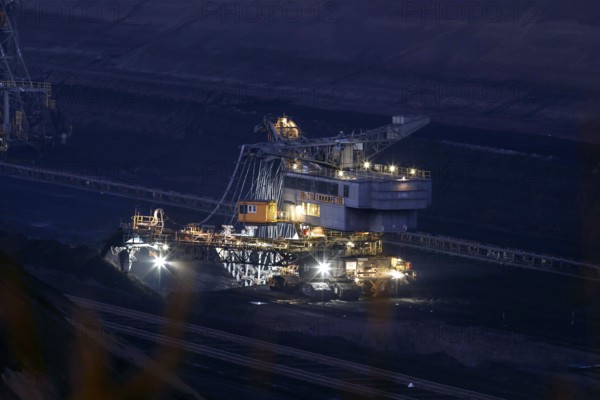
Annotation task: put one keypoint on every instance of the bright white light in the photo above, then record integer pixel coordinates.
(392, 168)
(160, 262)
(366, 165)
(294, 166)
(340, 173)
(397, 274)
(165, 247)
(323, 267)
(413, 171)
(258, 303)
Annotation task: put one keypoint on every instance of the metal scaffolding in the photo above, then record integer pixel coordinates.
(24, 103)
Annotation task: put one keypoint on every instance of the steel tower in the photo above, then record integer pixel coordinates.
(25, 104)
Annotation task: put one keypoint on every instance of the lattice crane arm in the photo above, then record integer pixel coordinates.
(342, 151)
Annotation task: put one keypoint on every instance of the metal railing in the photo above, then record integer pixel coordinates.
(496, 254)
(105, 186)
(376, 172)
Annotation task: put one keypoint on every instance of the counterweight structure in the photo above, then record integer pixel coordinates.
(310, 213)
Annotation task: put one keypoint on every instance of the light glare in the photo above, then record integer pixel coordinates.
(160, 262)
(323, 267)
(397, 274)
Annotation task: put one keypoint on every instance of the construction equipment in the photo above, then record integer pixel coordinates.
(28, 112)
(310, 213)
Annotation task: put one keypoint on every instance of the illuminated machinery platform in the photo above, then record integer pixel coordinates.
(248, 259)
(306, 199)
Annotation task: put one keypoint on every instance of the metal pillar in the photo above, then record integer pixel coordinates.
(6, 114)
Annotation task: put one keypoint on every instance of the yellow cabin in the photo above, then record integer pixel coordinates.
(257, 211)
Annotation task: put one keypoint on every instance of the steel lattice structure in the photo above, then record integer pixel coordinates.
(330, 151)
(24, 102)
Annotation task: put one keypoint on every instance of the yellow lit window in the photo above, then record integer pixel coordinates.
(311, 209)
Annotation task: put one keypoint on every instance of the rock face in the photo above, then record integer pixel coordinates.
(528, 66)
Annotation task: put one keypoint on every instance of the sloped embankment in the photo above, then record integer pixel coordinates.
(51, 349)
(78, 270)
